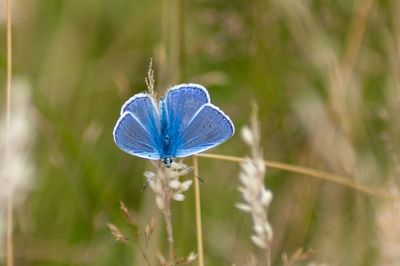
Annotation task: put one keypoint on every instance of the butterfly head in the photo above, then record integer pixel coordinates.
(168, 161)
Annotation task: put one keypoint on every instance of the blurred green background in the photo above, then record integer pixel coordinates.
(326, 78)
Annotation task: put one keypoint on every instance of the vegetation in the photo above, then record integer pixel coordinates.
(325, 78)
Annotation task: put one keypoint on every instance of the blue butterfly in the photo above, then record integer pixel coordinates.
(182, 124)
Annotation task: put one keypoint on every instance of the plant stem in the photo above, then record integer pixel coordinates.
(268, 255)
(333, 178)
(168, 224)
(10, 244)
(168, 217)
(199, 232)
(354, 37)
(171, 72)
(146, 259)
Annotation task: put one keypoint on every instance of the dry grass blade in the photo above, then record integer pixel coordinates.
(326, 176)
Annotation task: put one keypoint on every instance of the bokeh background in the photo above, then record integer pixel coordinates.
(325, 76)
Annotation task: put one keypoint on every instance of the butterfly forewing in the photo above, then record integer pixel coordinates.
(144, 109)
(182, 102)
(137, 130)
(208, 128)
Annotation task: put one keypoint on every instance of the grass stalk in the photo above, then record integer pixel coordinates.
(171, 72)
(180, 49)
(199, 232)
(164, 67)
(166, 211)
(326, 176)
(170, 233)
(355, 36)
(10, 244)
(341, 74)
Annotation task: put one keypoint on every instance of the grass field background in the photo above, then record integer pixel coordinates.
(324, 74)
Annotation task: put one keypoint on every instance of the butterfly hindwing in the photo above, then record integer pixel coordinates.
(208, 128)
(131, 137)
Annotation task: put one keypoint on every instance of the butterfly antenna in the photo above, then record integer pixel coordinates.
(147, 184)
(190, 170)
(149, 180)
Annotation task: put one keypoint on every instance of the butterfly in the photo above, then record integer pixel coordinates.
(183, 123)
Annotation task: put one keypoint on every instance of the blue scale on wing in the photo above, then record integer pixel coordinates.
(208, 128)
(131, 137)
(181, 104)
(144, 109)
(138, 130)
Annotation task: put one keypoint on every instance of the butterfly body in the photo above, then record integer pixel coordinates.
(183, 123)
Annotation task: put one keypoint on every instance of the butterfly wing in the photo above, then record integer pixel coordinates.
(143, 107)
(182, 102)
(137, 130)
(208, 128)
(179, 106)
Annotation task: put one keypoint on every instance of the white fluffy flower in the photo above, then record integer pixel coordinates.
(16, 167)
(258, 241)
(166, 185)
(178, 197)
(255, 196)
(160, 202)
(247, 136)
(185, 185)
(175, 184)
